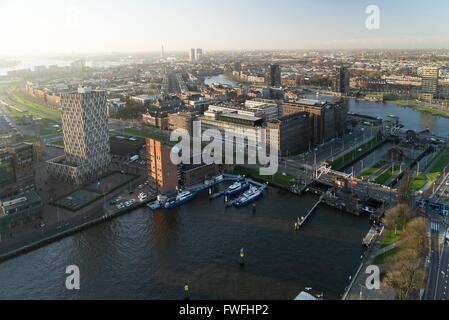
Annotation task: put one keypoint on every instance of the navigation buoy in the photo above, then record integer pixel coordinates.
(242, 257)
(186, 292)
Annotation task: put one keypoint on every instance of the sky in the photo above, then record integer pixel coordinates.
(30, 27)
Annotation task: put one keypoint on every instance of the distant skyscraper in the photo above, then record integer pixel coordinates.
(162, 53)
(192, 56)
(199, 54)
(273, 76)
(340, 83)
(86, 137)
(429, 82)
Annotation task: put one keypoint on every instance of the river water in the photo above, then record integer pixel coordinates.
(412, 119)
(146, 255)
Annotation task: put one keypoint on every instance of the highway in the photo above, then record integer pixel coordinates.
(438, 281)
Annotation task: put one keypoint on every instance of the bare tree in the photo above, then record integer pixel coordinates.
(397, 217)
(406, 268)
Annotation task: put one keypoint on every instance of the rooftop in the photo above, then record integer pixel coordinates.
(19, 201)
(311, 102)
(240, 117)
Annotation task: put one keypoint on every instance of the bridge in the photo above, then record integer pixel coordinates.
(326, 170)
(438, 207)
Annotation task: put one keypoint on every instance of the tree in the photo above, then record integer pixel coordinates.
(397, 217)
(406, 274)
(415, 236)
(406, 268)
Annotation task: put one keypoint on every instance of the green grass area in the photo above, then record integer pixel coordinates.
(382, 259)
(434, 169)
(353, 154)
(418, 182)
(278, 179)
(58, 143)
(391, 238)
(439, 165)
(389, 174)
(423, 107)
(371, 171)
(16, 114)
(21, 101)
(36, 109)
(49, 131)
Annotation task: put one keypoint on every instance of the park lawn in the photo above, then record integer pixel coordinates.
(36, 109)
(16, 114)
(382, 259)
(340, 162)
(279, 179)
(420, 107)
(387, 175)
(391, 238)
(438, 166)
(58, 143)
(384, 177)
(49, 131)
(418, 182)
(369, 172)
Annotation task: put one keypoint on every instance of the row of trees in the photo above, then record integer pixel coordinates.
(406, 272)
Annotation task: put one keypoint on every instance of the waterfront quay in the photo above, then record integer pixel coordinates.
(27, 238)
(59, 221)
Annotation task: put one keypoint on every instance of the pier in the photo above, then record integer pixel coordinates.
(304, 219)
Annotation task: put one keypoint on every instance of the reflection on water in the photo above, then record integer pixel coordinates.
(412, 119)
(147, 255)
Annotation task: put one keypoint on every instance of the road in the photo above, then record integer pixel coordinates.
(438, 282)
(442, 191)
(303, 165)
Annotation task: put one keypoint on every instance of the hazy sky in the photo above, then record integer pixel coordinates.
(83, 26)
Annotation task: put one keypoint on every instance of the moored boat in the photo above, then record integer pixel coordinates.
(249, 197)
(237, 188)
(181, 198)
(154, 205)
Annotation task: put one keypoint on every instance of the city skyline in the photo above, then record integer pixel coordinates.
(68, 27)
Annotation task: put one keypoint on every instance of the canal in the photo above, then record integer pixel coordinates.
(147, 255)
(410, 118)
